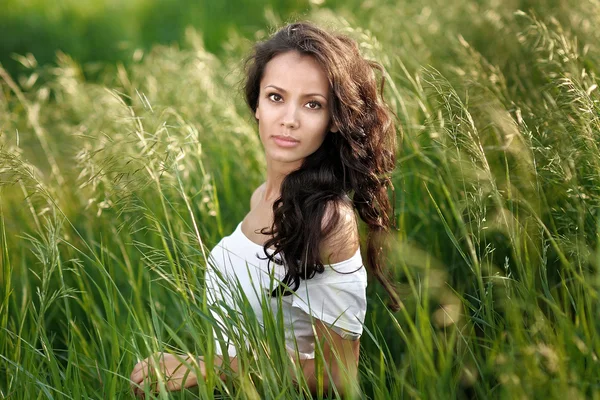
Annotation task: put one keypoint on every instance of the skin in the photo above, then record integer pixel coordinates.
(293, 108)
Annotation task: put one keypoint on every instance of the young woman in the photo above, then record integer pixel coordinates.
(329, 144)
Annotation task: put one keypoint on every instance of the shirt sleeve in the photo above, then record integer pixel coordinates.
(337, 299)
(217, 309)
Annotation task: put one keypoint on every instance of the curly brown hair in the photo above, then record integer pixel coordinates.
(354, 163)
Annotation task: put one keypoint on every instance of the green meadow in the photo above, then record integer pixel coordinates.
(119, 170)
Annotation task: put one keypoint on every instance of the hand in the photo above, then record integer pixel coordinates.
(172, 368)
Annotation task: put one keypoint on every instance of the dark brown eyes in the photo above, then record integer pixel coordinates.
(311, 105)
(275, 97)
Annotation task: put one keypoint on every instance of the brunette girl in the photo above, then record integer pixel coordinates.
(329, 144)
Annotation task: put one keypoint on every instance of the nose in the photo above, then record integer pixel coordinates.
(290, 118)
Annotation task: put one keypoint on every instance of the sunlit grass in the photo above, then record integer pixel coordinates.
(112, 193)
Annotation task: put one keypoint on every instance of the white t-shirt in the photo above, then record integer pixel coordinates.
(337, 296)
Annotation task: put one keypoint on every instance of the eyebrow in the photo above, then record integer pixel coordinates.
(285, 91)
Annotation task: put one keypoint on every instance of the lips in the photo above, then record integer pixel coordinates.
(285, 141)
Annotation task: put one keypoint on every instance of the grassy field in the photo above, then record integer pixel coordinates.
(113, 190)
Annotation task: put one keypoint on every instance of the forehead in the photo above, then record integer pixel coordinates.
(295, 71)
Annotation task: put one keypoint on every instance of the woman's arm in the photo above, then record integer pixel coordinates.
(341, 362)
(178, 372)
(340, 367)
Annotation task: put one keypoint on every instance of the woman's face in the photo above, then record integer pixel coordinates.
(293, 108)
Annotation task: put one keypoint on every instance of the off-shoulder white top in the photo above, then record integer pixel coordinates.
(336, 297)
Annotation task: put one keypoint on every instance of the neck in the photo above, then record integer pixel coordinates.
(276, 173)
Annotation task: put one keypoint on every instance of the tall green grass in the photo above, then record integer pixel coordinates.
(113, 192)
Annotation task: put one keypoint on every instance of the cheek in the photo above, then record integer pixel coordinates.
(265, 130)
(262, 120)
(266, 115)
(319, 128)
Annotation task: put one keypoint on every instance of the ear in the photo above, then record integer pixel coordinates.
(256, 113)
(333, 128)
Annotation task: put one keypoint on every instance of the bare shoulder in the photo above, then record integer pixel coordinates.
(256, 195)
(342, 240)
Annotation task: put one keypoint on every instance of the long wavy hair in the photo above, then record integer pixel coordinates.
(352, 165)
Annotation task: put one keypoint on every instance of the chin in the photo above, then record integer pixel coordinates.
(285, 158)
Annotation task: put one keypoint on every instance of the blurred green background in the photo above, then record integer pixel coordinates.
(98, 31)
